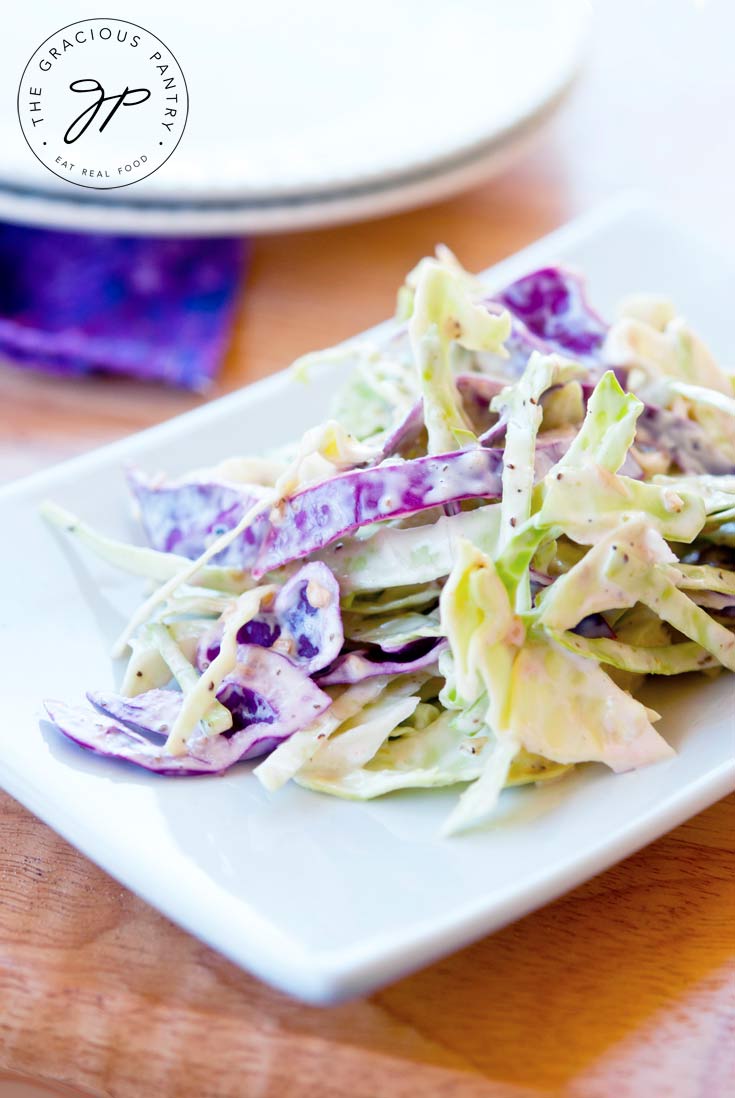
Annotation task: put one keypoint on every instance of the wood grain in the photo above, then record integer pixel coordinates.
(618, 988)
(624, 988)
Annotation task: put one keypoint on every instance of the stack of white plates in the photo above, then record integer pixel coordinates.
(306, 113)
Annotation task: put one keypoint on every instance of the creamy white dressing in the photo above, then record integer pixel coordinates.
(216, 718)
(199, 699)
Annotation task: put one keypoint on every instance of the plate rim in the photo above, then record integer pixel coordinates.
(382, 197)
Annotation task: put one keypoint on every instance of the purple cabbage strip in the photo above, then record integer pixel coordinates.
(324, 512)
(549, 312)
(333, 508)
(268, 697)
(185, 516)
(105, 736)
(496, 433)
(631, 468)
(152, 713)
(366, 663)
(594, 625)
(520, 345)
(304, 624)
(548, 452)
(480, 388)
(539, 580)
(716, 602)
(683, 441)
(405, 434)
(552, 305)
(476, 391)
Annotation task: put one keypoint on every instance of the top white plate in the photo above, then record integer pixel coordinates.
(290, 98)
(95, 212)
(326, 898)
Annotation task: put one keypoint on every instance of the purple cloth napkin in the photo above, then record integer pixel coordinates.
(153, 308)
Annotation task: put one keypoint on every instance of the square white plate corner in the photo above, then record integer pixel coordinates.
(323, 898)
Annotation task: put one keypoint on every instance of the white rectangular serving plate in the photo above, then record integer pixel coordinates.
(323, 898)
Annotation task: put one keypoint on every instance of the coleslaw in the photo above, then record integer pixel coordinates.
(516, 513)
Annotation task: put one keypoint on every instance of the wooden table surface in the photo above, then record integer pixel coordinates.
(623, 988)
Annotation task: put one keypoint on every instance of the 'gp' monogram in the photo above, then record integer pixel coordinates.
(126, 98)
(71, 92)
